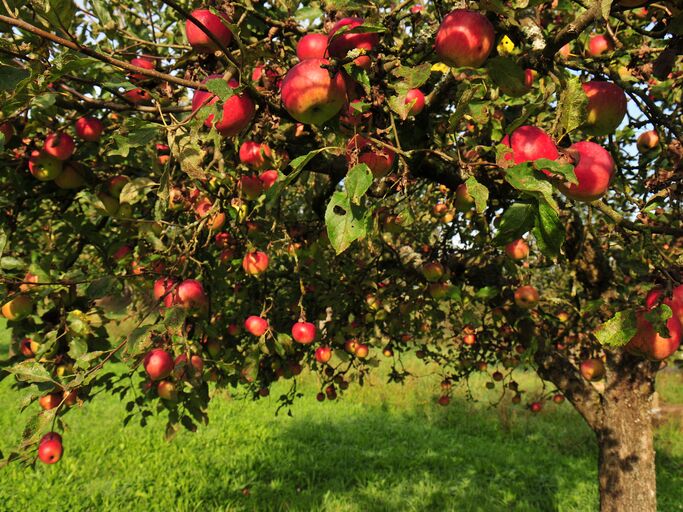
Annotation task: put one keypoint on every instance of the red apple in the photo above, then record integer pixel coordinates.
(599, 44)
(181, 367)
(164, 287)
(517, 250)
(190, 294)
(59, 145)
(312, 46)
(43, 166)
(529, 77)
(7, 130)
(158, 364)
(647, 141)
(214, 24)
(252, 186)
(137, 96)
(465, 38)
(592, 369)
(238, 110)
(593, 170)
(647, 342)
(529, 143)
(379, 159)
(362, 351)
(256, 325)
(89, 128)
(536, 406)
(50, 401)
(433, 271)
(268, 178)
(606, 107)
(416, 98)
(255, 263)
(340, 45)
(167, 390)
(255, 154)
(558, 399)
(526, 297)
(25, 347)
(350, 345)
(70, 397)
(323, 354)
(17, 308)
(50, 448)
(303, 332)
(310, 94)
(141, 62)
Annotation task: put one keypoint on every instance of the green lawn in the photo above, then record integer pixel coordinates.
(380, 448)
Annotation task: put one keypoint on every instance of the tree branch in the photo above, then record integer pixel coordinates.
(619, 220)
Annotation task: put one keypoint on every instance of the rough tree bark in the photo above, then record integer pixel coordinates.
(621, 417)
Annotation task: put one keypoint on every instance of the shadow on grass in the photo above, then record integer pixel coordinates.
(459, 459)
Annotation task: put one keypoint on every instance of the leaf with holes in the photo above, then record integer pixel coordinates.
(345, 222)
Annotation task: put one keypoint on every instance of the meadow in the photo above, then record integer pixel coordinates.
(378, 448)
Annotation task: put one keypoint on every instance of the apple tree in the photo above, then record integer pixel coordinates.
(221, 195)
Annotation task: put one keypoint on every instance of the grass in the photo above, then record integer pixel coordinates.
(380, 448)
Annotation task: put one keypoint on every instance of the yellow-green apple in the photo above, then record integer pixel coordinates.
(255, 154)
(340, 44)
(109, 205)
(526, 297)
(116, 183)
(167, 390)
(565, 51)
(312, 46)
(43, 166)
(17, 308)
(255, 263)
(599, 44)
(50, 448)
(303, 332)
(433, 271)
(379, 159)
(71, 176)
(606, 107)
(158, 364)
(238, 110)
(592, 369)
(190, 294)
(594, 170)
(311, 93)
(647, 141)
(256, 325)
(215, 24)
(323, 354)
(463, 200)
(89, 128)
(59, 145)
(465, 38)
(517, 250)
(416, 99)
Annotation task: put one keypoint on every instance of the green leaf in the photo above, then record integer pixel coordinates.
(412, 77)
(564, 170)
(345, 222)
(30, 371)
(220, 88)
(549, 230)
(479, 193)
(135, 190)
(605, 7)
(136, 335)
(525, 179)
(190, 155)
(463, 104)
(78, 347)
(571, 109)
(174, 318)
(617, 331)
(508, 76)
(100, 287)
(487, 292)
(658, 317)
(517, 220)
(297, 165)
(357, 182)
(398, 104)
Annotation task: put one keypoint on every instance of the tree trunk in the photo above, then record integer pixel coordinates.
(626, 462)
